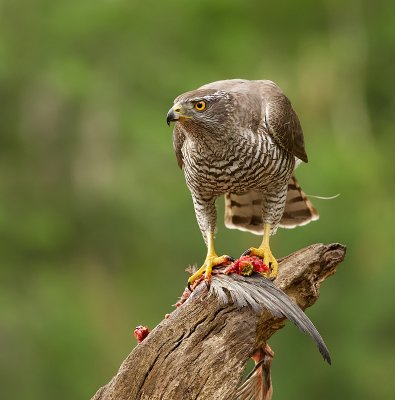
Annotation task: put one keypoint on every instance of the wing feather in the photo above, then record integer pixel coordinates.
(284, 126)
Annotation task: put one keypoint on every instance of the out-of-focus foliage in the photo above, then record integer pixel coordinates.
(96, 222)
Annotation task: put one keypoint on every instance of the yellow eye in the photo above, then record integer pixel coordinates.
(200, 105)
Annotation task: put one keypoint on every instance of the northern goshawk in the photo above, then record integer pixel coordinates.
(241, 139)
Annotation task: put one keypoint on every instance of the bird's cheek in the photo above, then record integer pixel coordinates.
(184, 118)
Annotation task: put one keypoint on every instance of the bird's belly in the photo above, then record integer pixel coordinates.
(223, 176)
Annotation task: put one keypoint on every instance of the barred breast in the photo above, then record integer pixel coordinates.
(246, 163)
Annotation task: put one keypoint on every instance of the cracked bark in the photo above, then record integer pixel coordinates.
(200, 351)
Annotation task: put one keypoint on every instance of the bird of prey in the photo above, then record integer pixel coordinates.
(241, 139)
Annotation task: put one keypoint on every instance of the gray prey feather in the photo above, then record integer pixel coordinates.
(261, 294)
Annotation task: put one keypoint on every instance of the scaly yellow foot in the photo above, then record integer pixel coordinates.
(264, 252)
(211, 261)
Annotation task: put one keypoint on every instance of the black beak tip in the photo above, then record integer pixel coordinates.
(169, 118)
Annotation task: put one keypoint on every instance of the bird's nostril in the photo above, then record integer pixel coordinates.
(177, 110)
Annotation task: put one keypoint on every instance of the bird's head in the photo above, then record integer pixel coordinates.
(207, 109)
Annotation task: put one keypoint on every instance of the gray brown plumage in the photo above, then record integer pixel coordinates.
(244, 144)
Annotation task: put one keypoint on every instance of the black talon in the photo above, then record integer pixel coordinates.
(189, 287)
(230, 258)
(207, 282)
(246, 253)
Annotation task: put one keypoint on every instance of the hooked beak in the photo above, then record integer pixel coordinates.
(175, 113)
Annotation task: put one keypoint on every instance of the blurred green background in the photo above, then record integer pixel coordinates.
(97, 224)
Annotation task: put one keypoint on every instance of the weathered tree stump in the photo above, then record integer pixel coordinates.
(200, 351)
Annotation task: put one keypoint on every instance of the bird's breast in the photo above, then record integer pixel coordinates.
(236, 166)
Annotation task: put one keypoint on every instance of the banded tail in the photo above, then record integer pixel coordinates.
(244, 211)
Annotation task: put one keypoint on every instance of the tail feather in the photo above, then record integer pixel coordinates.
(298, 208)
(244, 211)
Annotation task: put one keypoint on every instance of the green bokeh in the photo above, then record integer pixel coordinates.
(96, 223)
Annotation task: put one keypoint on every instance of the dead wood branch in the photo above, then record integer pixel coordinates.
(200, 351)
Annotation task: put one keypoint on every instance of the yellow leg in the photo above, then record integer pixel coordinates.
(211, 260)
(264, 252)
